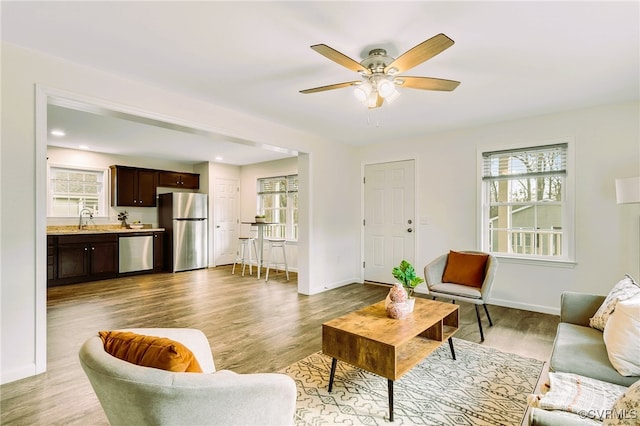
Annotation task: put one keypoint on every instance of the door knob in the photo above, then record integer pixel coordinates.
(410, 230)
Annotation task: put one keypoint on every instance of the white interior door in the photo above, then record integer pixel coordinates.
(389, 223)
(227, 225)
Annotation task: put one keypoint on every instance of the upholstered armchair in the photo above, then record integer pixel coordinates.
(437, 286)
(134, 395)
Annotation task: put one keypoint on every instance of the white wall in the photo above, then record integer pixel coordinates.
(23, 218)
(607, 146)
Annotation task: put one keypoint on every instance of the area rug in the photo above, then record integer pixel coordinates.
(484, 386)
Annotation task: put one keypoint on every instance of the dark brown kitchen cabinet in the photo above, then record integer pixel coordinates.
(133, 187)
(179, 180)
(86, 258)
(158, 251)
(52, 267)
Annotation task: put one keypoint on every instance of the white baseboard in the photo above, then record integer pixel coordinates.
(18, 373)
(331, 286)
(525, 306)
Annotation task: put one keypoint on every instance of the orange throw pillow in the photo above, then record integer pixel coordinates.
(465, 268)
(150, 351)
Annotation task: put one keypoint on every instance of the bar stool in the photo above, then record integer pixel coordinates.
(244, 246)
(277, 243)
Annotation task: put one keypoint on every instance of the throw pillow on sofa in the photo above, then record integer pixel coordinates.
(626, 409)
(622, 337)
(623, 290)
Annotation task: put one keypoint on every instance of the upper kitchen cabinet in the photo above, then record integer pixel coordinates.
(179, 180)
(134, 187)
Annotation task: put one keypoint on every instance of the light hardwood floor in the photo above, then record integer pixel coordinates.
(252, 326)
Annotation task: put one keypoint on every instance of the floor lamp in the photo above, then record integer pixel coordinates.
(628, 192)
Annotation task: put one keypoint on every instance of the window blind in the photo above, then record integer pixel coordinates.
(278, 185)
(531, 162)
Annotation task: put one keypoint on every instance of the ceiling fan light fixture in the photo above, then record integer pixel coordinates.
(372, 100)
(362, 91)
(385, 88)
(392, 97)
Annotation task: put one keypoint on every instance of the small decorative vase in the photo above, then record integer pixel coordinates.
(411, 302)
(396, 303)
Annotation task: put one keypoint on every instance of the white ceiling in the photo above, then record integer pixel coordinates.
(514, 59)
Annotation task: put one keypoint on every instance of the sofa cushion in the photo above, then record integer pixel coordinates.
(150, 351)
(623, 290)
(581, 350)
(626, 409)
(622, 337)
(465, 268)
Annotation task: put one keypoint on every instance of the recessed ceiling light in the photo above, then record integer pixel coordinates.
(83, 147)
(218, 158)
(57, 132)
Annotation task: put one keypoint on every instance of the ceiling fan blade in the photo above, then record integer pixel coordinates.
(426, 83)
(339, 58)
(420, 53)
(330, 87)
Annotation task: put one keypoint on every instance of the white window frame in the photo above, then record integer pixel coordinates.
(568, 207)
(103, 199)
(290, 228)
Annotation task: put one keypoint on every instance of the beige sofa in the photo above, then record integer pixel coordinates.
(578, 349)
(135, 395)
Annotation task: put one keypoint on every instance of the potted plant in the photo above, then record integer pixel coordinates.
(122, 217)
(260, 218)
(406, 276)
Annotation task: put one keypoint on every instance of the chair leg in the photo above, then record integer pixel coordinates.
(486, 310)
(255, 251)
(244, 264)
(488, 316)
(479, 323)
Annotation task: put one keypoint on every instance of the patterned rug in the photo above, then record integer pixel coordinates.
(482, 387)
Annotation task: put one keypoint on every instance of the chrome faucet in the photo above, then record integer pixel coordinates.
(83, 211)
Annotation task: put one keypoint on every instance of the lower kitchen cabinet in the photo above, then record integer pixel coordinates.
(158, 252)
(85, 258)
(89, 257)
(52, 266)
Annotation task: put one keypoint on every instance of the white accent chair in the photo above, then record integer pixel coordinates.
(135, 395)
(434, 286)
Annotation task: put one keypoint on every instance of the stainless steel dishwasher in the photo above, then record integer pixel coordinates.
(136, 253)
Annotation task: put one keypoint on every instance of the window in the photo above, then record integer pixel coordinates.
(278, 201)
(524, 207)
(72, 189)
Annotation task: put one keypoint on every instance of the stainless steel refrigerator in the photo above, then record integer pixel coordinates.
(184, 217)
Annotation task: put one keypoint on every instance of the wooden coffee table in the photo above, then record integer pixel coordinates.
(370, 340)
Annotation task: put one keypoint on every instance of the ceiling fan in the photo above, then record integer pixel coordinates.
(379, 71)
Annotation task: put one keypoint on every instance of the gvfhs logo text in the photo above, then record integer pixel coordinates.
(610, 414)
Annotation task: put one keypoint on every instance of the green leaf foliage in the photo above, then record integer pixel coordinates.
(406, 275)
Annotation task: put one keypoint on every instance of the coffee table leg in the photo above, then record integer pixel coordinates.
(390, 385)
(334, 362)
(453, 352)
